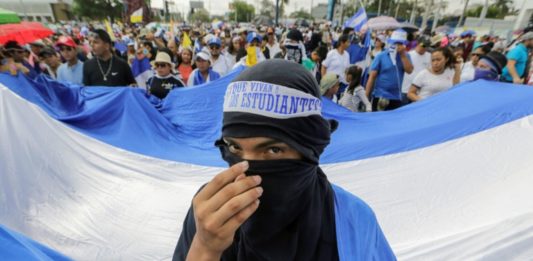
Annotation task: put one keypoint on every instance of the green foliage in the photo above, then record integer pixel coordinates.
(199, 15)
(245, 12)
(499, 9)
(97, 9)
(389, 8)
(268, 8)
(301, 14)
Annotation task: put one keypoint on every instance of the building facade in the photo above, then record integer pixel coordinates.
(40, 10)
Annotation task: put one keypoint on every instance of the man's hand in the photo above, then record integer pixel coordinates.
(401, 49)
(220, 208)
(517, 80)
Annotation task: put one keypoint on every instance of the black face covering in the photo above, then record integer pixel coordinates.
(296, 216)
(295, 219)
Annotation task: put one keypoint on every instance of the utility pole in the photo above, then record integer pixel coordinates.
(461, 20)
(397, 9)
(483, 13)
(425, 18)
(277, 12)
(437, 16)
(413, 13)
(166, 11)
(379, 8)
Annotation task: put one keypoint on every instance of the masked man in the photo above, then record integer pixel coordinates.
(275, 202)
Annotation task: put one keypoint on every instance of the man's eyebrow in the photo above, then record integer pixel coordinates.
(261, 145)
(267, 143)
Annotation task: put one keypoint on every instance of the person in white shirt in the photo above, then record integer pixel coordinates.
(203, 72)
(232, 50)
(421, 59)
(354, 97)
(219, 62)
(272, 43)
(469, 68)
(338, 60)
(442, 75)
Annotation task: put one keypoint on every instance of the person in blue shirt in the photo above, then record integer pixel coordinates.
(384, 84)
(72, 70)
(517, 58)
(274, 202)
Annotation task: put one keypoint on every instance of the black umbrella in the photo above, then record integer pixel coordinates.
(408, 27)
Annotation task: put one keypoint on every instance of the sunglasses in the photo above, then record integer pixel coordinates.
(65, 48)
(163, 65)
(214, 47)
(476, 54)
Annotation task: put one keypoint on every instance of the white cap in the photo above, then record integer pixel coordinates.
(203, 55)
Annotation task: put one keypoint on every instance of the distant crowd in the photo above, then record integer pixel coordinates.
(363, 71)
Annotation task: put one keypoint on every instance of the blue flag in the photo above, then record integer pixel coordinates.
(357, 21)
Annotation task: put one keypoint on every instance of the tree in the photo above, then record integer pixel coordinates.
(98, 9)
(301, 14)
(499, 9)
(492, 12)
(268, 8)
(199, 15)
(503, 6)
(245, 12)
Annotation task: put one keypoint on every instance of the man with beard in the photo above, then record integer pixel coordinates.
(274, 202)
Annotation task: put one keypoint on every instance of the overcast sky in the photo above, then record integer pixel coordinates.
(219, 7)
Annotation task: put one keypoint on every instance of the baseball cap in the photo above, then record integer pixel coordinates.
(203, 55)
(65, 40)
(214, 41)
(253, 36)
(398, 36)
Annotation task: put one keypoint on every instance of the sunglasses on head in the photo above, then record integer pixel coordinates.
(157, 65)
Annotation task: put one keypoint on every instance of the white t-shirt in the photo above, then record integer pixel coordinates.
(430, 84)
(467, 74)
(420, 62)
(352, 101)
(221, 65)
(337, 63)
(273, 49)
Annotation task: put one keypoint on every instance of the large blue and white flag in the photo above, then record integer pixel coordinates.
(104, 174)
(142, 71)
(358, 20)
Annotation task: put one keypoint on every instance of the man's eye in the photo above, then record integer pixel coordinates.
(233, 148)
(275, 150)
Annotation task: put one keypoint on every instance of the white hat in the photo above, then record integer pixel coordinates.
(204, 56)
(163, 57)
(398, 36)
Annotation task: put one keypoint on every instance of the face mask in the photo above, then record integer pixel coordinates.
(294, 203)
(282, 179)
(486, 74)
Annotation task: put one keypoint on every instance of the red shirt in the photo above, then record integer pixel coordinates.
(185, 71)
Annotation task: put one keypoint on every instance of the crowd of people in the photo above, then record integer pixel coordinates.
(274, 202)
(390, 70)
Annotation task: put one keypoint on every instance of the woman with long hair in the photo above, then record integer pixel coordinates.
(444, 73)
(233, 49)
(354, 97)
(185, 64)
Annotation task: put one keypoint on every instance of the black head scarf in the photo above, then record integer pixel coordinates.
(295, 219)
